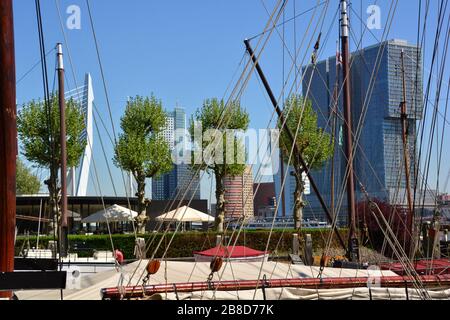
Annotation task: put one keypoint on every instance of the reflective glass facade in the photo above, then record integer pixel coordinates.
(376, 91)
(167, 187)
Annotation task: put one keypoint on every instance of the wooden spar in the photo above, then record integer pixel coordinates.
(30, 218)
(305, 283)
(62, 120)
(353, 252)
(404, 118)
(291, 137)
(8, 140)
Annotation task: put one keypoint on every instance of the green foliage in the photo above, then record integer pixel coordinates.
(185, 243)
(314, 144)
(26, 182)
(139, 148)
(211, 122)
(37, 125)
(213, 115)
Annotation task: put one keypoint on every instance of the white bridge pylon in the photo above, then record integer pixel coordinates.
(79, 177)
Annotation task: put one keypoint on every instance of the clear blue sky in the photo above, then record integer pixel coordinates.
(182, 51)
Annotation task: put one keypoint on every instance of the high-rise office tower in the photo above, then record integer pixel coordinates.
(376, 92)
(181, 181)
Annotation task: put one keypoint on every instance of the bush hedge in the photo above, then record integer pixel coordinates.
(183, 244)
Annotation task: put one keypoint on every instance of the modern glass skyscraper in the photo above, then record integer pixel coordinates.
(376, 91)
(174, 184)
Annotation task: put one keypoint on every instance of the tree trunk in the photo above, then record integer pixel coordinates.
(53, 191)
(142, 206)
(220, 205)
(298, 201)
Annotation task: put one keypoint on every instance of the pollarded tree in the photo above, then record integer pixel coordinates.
(312, 142)
(219, 153)
(140, 149)
(38, 126)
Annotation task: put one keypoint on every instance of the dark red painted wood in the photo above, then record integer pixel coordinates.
(306, 283)
(8, 140)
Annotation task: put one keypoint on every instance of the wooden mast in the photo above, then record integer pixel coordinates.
(353, 253)
(62, 120)
(8, 140)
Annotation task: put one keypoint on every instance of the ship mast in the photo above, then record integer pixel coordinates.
(353, 251)
(63, 230)
(8, 141)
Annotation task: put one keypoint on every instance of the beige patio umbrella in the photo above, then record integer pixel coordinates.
(114, 213)
(185, 214)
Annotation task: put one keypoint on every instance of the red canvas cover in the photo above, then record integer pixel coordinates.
(237, 252)
(436, 266)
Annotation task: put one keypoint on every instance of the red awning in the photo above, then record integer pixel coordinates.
(230, 252)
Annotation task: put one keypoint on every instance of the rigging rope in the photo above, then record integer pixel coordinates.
(365, 105)
(292, 149)
(89, 143)
(105, 87)
(220, 122)
(414, 61)
(294, 18)
(242, 225)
